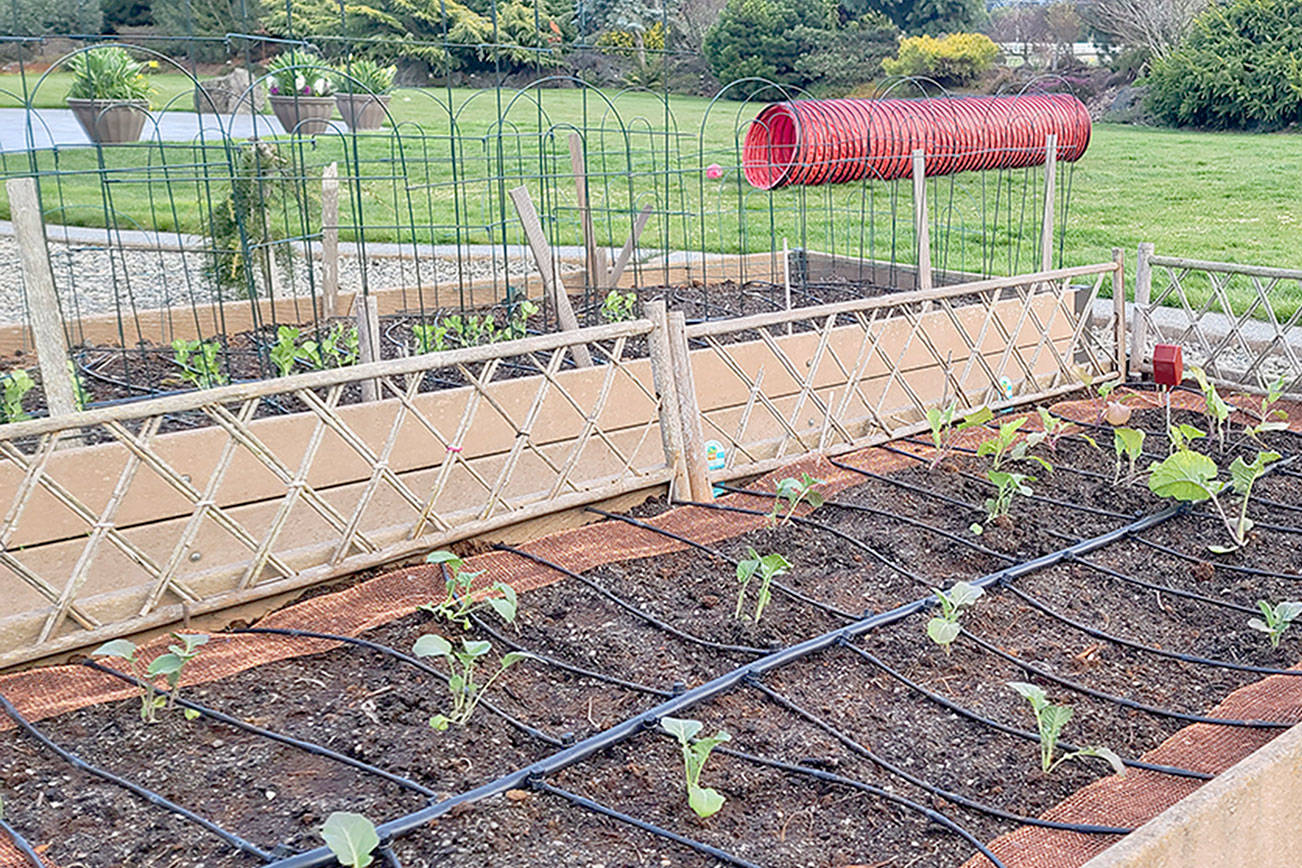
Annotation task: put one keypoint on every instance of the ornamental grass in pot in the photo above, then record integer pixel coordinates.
(301, 89)
(109, 95)
(362, 89)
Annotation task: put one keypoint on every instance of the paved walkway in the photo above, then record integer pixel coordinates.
(50, 127)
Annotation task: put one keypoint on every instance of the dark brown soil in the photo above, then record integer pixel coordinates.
(374, 708)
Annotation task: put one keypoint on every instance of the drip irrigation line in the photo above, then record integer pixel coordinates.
(774, 583)
(321, 856)
(912, 522)
(1234, 568)
(148, 795)
(659, 831)
(797, 519)
(561, 664)
(832, 778)
(390, 858)
(490, 707)
(1115, 699)
(948, 795)
(309, 747)
(33, 858)
(907, 486)
(1165, 589)
(1026, 734)
(1035, 603)
(629, 607)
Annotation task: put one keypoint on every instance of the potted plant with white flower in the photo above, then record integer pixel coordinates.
(109, 95)
(362, 90)
(301, 89)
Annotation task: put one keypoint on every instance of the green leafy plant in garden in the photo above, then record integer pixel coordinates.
(1050, 720)
(1005, 445)
(340, 346)
(299, 71)
(287, 350)
(944, 628)
(1270, 418)
(244, 225)
(1128, 443)
(1053, 430)
(458, 604)
(768, 567)
(170, 665)
(944, 430)
(1182, 436)
(1217, 410)
(80, 394)
(17, 383)
(364, 76)
(198, 363)
(952, 60)
(1191, 477)
(466, 692)
(619, 306)
(430, 337)
(705, 801)
(351, 838)
(1275, 620)
(1007, 486)
(794, 492)
(107, 73)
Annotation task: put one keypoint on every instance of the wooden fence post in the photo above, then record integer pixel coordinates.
(42, 302)
(662, 373)
(1143, 292)
(689, 412)
(1046, 230)
(367, 313)
(921, 231)
(1119, 310)
(330, 241)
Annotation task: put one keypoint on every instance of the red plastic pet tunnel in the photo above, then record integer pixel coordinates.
(827, 141)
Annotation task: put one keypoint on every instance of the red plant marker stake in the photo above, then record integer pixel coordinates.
(1168, 365)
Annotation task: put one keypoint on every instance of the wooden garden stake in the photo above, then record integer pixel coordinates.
(42, 302)
(1046, 231)
(698, 473)
(552, 284)
(786, 277)
(662, 373)
(1119, 310)
(922, 232)
(1143, 291)
(330, 241)
(367, 314)
(596, 257)
(626, 252)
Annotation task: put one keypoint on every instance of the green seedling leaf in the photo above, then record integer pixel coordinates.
(1105, 754)
(443, 557)
(979, 416)
(942, 631)
(1032, 693)
(1243, 475)
(351, 838)
(476, 648)
(432, 645)
(683, 730)
(124, 648)
(166, 664)
(1185, 476)
(965, 594)
(705, 801)
(190, 713)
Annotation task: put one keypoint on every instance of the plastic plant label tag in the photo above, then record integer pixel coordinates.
(1168, 365)
(716, 458)
(1006, 386)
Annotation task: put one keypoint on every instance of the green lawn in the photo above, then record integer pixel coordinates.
(1219, 196)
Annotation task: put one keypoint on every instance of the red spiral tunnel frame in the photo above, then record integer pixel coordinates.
(828, 141)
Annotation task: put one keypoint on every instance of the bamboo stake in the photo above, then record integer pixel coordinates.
(42, 302)
(1050, 171)
(922, 231)
(330, 241)
(698, 474)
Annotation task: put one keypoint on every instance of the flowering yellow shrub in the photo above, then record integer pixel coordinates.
(653, 38)
(956, 59)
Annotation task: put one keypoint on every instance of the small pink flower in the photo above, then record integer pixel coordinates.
(307, 91)
(275, 89)
(714, 171)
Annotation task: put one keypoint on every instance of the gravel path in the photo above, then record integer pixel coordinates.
(93, 280)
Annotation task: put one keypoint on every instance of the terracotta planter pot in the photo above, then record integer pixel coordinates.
(363, 111)
(110, 121)
(304, 115)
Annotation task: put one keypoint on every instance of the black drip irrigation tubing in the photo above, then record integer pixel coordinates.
(307, 746)
(964, 711)
(1234, 568)
(606, 811)
(1154, 710)
(21, 843)
(855, 747)
(620, 732)
(410, 661)
(148, 795)
(782, 587)
(629, 607)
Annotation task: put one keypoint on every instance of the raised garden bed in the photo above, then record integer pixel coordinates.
(881, 707)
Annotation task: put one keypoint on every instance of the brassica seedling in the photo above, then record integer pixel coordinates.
(341, 346)
(457, 604)
(1218, 411)
(1190, 477)
(1050, 720)
(1129, 444)
(169, 665)
(769, 567)
(705, 801)
(17, 383)
(1055, 429)
(465, 691)
(286, 350)
(1271, 417)
(198, 363)
(1006, 486)
(794, 492)
(999, 445)
(943, 429)
(351, 838)
(619, 306)
(944, 628)
(1182, 436)
(1275, 619)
